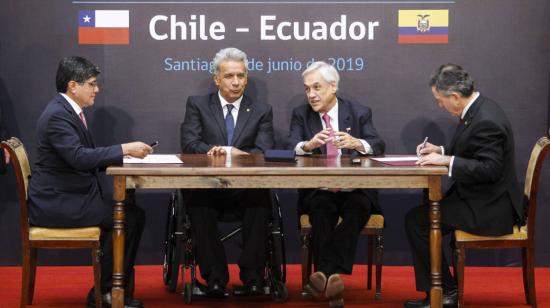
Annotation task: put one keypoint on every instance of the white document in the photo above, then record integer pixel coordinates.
(395, 159)
(154, 159)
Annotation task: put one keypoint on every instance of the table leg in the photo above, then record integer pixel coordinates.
(119, 194)
(436, 291)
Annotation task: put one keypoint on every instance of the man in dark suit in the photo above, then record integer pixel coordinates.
(331, 125)
(485, 197)
(64, 189)
(229, 123)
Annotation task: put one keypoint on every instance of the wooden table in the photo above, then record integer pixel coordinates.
(202, 171)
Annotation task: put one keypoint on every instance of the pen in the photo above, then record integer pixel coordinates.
(154, 144)
(423, 145)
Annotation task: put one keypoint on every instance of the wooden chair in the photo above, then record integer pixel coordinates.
(33, 237)
(375, 242)
(523, 237)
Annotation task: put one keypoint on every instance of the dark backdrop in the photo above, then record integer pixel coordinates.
(504, 44)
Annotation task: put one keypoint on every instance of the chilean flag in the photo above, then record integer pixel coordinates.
(104, 27)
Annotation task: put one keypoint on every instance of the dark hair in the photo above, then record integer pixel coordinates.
(74, 68)
(449, 78)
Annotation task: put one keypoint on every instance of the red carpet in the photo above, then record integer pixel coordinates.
(67, 287)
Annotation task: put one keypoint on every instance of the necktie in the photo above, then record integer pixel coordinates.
(229, 123)
(331, 148)
(81, 115)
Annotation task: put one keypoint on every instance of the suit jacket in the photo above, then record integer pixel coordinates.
(485, 184)
(64, 189)
(204, 125)
(305, 123)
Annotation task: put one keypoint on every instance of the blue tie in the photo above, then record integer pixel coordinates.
(229, 124)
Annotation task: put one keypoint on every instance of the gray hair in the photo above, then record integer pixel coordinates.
(449, 78)
(329, 73)
(228, 54)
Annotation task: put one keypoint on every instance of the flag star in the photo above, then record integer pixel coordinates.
(87, 18)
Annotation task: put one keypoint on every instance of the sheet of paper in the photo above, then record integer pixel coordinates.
(154, 159)
(397, 160)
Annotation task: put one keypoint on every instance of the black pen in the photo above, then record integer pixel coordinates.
(154, 144)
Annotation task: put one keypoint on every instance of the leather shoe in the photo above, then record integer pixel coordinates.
(250, 288)
(317, 284)
(106, 301)
(335, 290)
(450, 300)
(216, 288)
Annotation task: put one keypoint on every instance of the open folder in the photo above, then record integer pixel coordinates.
(154, 159)
(397, 160)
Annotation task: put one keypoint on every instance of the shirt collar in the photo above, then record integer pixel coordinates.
(474, 97)
(236, 104)
(73, 104)
(332, 113)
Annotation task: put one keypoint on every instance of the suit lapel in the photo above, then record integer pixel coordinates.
(217, 112)
(75, 118)
(242, 118)
(463, 125)
(344, 120)
(315, 126)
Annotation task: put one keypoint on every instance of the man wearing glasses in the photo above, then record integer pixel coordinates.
(64, 190)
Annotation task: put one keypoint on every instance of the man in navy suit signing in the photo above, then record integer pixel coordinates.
(64, 190)
(228, 123)
(331, 125)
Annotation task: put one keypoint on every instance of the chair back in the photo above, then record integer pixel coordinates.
(21, 167)
(532, 177)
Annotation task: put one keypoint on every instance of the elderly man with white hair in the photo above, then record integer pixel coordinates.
(331, 125)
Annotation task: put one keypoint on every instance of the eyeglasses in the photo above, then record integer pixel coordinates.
(92, 84)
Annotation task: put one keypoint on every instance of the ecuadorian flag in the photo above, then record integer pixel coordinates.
(423, 26)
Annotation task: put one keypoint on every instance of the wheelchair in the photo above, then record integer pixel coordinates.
(179, 253)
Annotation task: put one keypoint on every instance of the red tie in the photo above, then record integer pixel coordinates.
(83, 119)
(331, 148)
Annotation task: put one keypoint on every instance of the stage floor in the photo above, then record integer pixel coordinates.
(65, 287)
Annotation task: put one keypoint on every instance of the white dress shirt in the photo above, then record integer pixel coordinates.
(234, 112)
(333, 114)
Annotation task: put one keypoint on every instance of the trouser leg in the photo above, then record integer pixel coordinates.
(256, 214)
(323, 216)
(210, 253)
(354, 211)
(133, 229)
(417, 227)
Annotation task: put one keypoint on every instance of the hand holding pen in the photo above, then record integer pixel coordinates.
(421, 147)
(426, 148)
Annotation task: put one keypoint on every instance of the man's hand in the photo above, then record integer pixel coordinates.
(434, 159)
(321, 138)
(344, 140)
(427, 149)
(136, 149)
(6, 156)
(219, 150)
(216, 151)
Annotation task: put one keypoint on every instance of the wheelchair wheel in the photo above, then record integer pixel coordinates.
(187, 293)
(172, 249)
(279, 292)
(277, 256)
